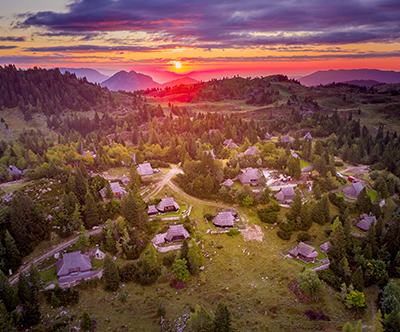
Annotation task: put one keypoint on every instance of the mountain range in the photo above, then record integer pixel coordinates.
(91, 75)
(347, 75)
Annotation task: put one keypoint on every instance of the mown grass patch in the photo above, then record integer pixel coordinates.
(303, 164)
(49, 275)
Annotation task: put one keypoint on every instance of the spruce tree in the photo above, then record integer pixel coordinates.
(91, 212)
(338, 241)
(111, 275)
(200, 320)
(35, 281)
(7, 294)
(325, 208)
(222, 318)
(184, 250)
(358, 280)
(87, 322)
(6, 319)
(383, 189)
(194, 258)
(13, 258)
(25, 294)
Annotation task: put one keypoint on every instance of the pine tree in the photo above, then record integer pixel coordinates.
(194, 258)
(222, 318)
(87, 322)
(200, 320)
(6, 319)
(377, 322)
(338, 241)
(325, 209)
(35, 281)
(358, 280)
(7, 294)
(91, 212)
(184, 250)
(25, 294)
(55, 301)
(383, 189)
(111, 275)
(180, 271)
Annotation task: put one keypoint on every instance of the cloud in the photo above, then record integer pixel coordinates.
(234, 24)
(13, 39)
(96, 48)
(7, 47)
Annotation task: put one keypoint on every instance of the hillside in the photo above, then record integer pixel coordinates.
(91, 75)
(344, 75)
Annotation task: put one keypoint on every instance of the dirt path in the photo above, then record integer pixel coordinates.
(358, 174)
(50, 253)
(166, 179)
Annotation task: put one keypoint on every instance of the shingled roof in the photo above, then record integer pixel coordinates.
(224, 219)
(166, 202)
(145, 169)
(73, 262)
(227, 183)
(13, 170)
(176, 233)
(353, 190)
(125, 180)
(230, 144)
(116, 189)
(304, 250)
(307, 136)
(365, 223)
(252, 150)
(285, 195)
(152, 210)
(249, 176)
(286, 139)
(268, 136)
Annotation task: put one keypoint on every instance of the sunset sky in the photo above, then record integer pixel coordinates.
(209, 38)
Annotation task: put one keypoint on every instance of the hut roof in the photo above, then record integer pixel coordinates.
(286, 139)
(145, 169)
(304, 250)
(353, 190)
(73, 262)
(268, 136)
(176, 231)
(169, 201)
(294, 154)
(224, 219)
(365, 223)
(13, 170)
(152, 209)
(325, 247)
(229, 143)
(227, 183)
(248, 175)
(285, 194)
(125, 180)
(252, 150)
(307, 136)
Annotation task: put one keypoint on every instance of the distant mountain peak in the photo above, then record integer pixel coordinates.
(91, 75)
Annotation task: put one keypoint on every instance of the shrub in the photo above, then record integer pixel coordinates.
(233, 232)
(284, 235)
(303, 237)
(169, 259)
(338, 163)
(129, 272)
(208, 216)
(267, 217)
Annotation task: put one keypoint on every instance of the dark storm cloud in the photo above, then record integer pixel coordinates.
(234, 23)
(13, 39)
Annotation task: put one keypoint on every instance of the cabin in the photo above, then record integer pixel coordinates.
(304, 252)
(252, 151)
(250, 176)
(145, 170)
(285, 195)
(307, 136)
(99, 254)
(151, 210)
(125, 180)
(74, 266)
(353, 190)
(224, 219)
(176, 233)
(230, 144)
(13, 170)
(286, 139)
(89, 153)
(228, 183)
(294, 154)
(268, 136)
(167, 205)
(116, 190)
(365, 223)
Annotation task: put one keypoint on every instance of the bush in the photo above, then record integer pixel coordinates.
(374, 175)
(233, 232)
(267, 217)
(303, 237)
(129, 272)
(338, 163)
(284, 235)
(208, 216)
(169, 259)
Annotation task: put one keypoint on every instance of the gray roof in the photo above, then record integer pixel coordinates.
(249, 176)
(227, 183)
(152, 209)
(365, 223)
(294, 154)
(325, 247)
(286, 139)
(91, 153)
(268, 136)
(73, 262)
(125, 180)
(229, 143)
(176, 231)
(116, 189)
(353, 190)
(224, 219)
(211, 152)
(169, 201)
(145, 169)
(252, 150)
(285, 194)
(303, 250)
(307, 136)
(13, 170)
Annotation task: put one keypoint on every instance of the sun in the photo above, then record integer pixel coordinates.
(178, 65)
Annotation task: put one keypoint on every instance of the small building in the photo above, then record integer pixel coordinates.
(176, 233)
(304, 252)
(228, 183)
(230, 144)
(365, 223)
(325, 247)
(116, 190)
(224, 219)
(211, 153)
(167, 205)
(89, 153)
(73, 266)
(151, 210)
(294, 154)
(250, 176)
(307, 136)
(134, 158)
(286, 139)
(267, 136)
(252, 151)
(99, 254)
(353, 190)
(285, 195)
(145, 169)
(13, 170)
(125, 180)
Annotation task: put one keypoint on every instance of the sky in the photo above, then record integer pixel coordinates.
(202, 38)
